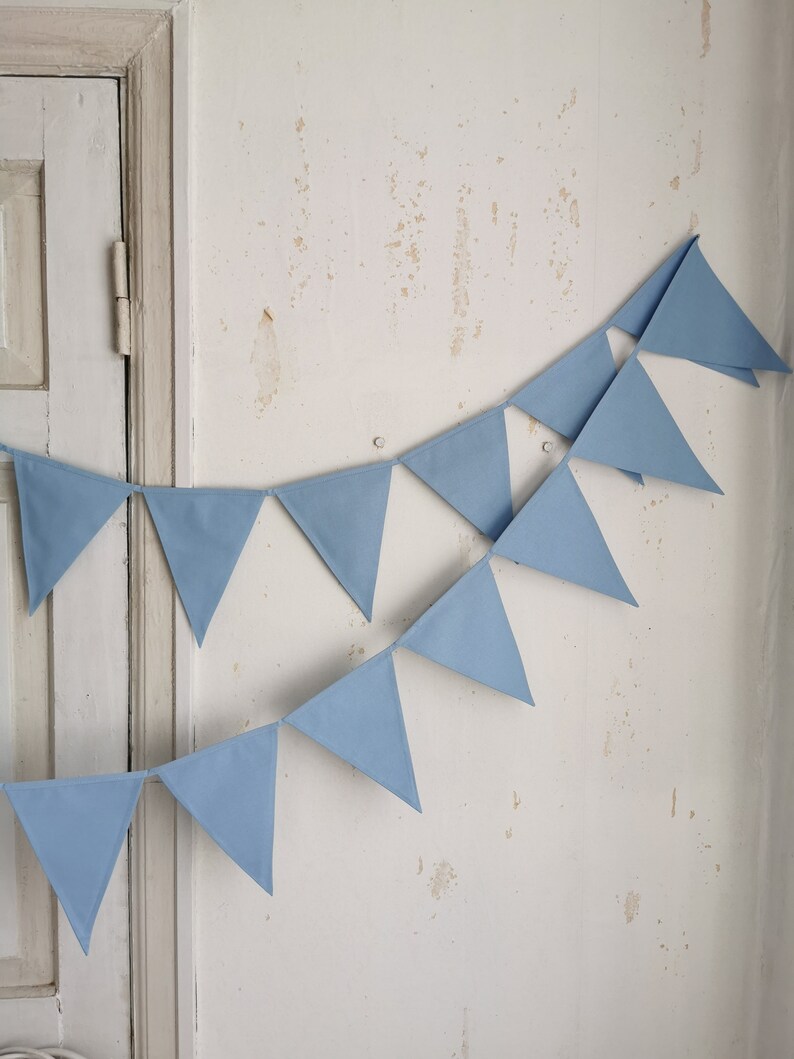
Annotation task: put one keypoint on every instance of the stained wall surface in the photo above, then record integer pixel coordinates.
(402, 212)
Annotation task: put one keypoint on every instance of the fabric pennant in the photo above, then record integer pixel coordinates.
(632, 428)
(230, 789)
(564, 396)
(742, 374)
(470, 469)
(467, 630)
(556, 532)
(697, 319)
(360, 719)
(62, 508)
(202, 532)
(343, 516)
(76, 828)
(635, 314)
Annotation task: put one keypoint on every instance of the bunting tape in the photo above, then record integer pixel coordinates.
(682, 310)
(76, 826)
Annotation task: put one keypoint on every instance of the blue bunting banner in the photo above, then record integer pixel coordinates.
(230, 789)
(557, 533)
(76, 826)
(343, 515)
(682, 310)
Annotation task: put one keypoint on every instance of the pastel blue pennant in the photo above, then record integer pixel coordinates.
(360, 719)
(230, 789)
(76, 828)
(202, 533)
(635, 314)
(564, 397)
(557, 533)
(343, 516)
(469, 468)
(467, 630)
(62, 509)
(742, 374)
(632, 428)
(697, 319)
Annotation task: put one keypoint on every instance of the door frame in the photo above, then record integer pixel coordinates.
(146, 45)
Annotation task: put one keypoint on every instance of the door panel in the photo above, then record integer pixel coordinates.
(64, 689)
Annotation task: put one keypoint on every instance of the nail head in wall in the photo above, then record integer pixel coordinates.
(547, 446)
(379, 442)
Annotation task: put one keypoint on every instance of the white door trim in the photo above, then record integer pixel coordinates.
(146, 43)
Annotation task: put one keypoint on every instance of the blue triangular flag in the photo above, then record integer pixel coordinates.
(556, 532)
(698, 319)
(360, 719)
(742, 374)
(470, 469)
(202, 532)
(343, 516)
(467, 630)
(635, 314)
(230, 788)
(62, 509)
(76, 828)
(564, 396)
(632, 428)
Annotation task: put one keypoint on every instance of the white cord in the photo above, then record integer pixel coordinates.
(38, 1053)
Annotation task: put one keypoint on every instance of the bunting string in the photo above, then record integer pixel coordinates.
(77, 826)
(682, 310)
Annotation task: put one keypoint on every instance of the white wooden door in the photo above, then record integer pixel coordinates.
(64, 672)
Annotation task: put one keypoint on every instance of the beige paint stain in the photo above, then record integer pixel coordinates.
(691, 814)
(296, 268)
(494, 213)
(405, 247)
(675, 183)
(512, 242)
(631, 906)
(421, 867)
(442, 879)
(672, 807)
(509, 833)
(461, 270)
(571, 103)
(698, 145)
(575, 213)
(705, 29)
(516, 800)
(267, 363)
(694, 220)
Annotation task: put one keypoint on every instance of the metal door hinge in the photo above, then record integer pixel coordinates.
(121, 293)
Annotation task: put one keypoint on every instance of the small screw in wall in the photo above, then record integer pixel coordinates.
(547, 446)
(378, 442)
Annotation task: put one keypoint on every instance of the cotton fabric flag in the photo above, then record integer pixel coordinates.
(467, 630)
(230, 789)
(469, 467)
(699, 320)
(62, 508)
(556, 532)
(632, 429)
(636, 313)
(564, 396)
(76, 828)
(360, 719)
(343, 516)
(202, 532)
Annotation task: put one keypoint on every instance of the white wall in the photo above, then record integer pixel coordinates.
(432, 201)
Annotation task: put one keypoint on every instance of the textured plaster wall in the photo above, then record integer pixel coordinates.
(403, 211)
